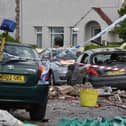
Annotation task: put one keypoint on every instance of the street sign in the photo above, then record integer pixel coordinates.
(8, 25)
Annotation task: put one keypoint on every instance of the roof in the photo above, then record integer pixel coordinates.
(102, 14)
(17, 44)
(97, 50)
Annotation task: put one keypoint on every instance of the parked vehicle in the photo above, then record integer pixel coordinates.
(22, 84)
(58, 60)
(123, 46)
(101, 67)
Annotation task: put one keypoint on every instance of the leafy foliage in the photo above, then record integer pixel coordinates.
(9, 38)
(93, 46)
(121, 29)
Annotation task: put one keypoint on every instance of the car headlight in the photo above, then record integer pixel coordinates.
(60, 64)
(64, 62)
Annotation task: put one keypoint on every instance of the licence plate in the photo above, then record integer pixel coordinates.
(116, 72)
(11, 77)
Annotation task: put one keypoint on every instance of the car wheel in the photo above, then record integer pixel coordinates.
(84, 80)
(37, 112)
(51, 79)
(69, 81)
(69, 77)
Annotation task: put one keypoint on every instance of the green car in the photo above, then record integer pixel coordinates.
(21, 82)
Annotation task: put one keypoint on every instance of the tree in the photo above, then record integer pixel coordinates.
(9, 38)
(121, 29)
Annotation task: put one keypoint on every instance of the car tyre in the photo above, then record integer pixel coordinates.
(51, 79)
(69, 81)
(84, 80)
(37, 112)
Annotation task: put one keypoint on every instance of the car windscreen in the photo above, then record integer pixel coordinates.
(67, 55)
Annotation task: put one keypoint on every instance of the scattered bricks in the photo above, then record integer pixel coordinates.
(118, 98)
(53, 92)
(67, 97)
(65, 89)
(60, 92)
(76, 91)
(87, 85)
(72, 93)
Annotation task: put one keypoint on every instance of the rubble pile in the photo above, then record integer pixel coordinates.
(63, 92)
(106, 95)
(117, 98)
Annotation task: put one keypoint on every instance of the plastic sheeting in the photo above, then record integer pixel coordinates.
(30, 125)
(117, 121)
(6, 119)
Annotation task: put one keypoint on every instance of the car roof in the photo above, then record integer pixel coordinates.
(17, 44)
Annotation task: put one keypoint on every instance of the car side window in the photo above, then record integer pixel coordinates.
(84, 58)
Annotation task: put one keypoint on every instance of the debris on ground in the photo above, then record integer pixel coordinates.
(117, 98)
(62, 92)
(107, 96)
(105, 91)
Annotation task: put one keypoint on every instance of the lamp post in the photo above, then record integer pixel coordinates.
(75, 29)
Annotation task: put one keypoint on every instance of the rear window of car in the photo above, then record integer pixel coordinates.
(21, 51)
(59, 53)
(67, 55)
(104, 57)
(50, 53)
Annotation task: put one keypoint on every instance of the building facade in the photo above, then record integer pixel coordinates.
(7, 10)
(75, 21)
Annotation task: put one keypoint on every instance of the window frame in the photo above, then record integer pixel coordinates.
(53, 34)
(38, 31)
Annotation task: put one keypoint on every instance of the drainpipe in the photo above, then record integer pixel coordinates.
(17, 10)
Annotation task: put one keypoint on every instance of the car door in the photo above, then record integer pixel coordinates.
(79, 72)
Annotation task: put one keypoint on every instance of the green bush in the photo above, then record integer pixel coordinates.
(9, 38)
(93, 46)
(33, 45)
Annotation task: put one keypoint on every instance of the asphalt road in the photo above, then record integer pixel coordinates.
(58, 109)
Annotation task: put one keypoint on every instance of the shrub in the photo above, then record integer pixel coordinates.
(93, 46)
(9, 38)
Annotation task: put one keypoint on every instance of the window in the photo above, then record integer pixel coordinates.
(74, 38)
(56, 32)
(94, 31)
(38, 30)
(84, 58)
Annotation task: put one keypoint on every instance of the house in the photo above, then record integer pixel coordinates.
(74, 21)
(7, 10)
